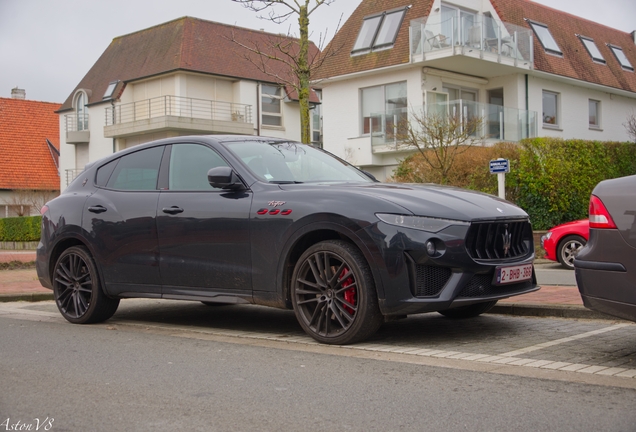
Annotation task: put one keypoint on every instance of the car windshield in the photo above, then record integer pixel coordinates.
(291, 162)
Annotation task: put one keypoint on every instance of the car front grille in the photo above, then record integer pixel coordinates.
(499, 241)
(481, 286)
(429, 280)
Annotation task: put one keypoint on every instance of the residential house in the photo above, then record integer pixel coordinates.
(521, 68)
(29, 151)
(184, 77)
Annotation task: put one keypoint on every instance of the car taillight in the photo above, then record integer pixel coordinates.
(599, 216)
(44, 209)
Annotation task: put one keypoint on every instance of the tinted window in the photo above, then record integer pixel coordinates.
(104, 172)
(137, 171)
(189, 166)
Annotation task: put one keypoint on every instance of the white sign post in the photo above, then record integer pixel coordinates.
(500, 167)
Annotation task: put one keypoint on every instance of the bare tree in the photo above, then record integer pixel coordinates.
(23, 201)
(292, 52)
(630, 125)
(440, 138)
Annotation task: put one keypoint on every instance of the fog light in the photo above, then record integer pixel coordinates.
(431, 250)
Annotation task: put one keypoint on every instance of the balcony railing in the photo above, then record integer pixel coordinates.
(71, 174)
(76, 122)
(469, 34)
(497, 123)
(177, 106)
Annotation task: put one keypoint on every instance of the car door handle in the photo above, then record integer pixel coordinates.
(97, 209)
(172, 210)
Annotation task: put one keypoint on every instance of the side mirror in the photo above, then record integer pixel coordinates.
(224, 177)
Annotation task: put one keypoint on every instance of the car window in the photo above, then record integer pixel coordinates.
(189, 166)
(137, 171)
(104, 172)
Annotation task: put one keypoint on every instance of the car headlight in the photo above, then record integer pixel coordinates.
(422, 223)
(548, 235)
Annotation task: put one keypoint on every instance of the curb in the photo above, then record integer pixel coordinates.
(554, 311)
(31, 297)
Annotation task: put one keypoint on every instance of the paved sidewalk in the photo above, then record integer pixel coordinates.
(554, 301)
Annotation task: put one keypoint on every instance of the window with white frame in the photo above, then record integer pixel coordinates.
(81, 113)
(383, 107)
(621, 57)
(271, 106)
(550, 109)
(378, 31)
(545, 37)
(595, 114)
(592, 49)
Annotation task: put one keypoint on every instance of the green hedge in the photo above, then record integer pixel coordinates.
(20, 229)
(554, 178)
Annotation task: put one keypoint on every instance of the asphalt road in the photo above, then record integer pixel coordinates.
(551, 273)
(164, 365)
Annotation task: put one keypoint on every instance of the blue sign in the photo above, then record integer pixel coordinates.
(499, 166)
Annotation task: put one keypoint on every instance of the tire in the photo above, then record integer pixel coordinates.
(334, 295)
(568, 249)
(469, 311)
(77, 288)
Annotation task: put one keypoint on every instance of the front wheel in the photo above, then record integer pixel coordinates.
(568, 249)
(333, 294)
(469, 311)
(77, 290)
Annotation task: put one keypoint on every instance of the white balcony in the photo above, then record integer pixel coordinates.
(497, 123)
(76, 125)
(483, 41)
(190, 115)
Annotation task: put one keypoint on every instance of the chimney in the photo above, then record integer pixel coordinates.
(634, 36)
(17, 93)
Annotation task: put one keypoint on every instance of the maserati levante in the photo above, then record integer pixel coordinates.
(244, 219)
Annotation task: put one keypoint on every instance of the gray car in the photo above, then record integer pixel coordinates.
(606, 267)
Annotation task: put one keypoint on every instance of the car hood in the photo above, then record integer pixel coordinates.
(433, 200)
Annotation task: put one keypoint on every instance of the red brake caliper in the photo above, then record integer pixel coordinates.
(350, 294)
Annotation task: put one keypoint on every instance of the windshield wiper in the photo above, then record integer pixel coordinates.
(285, 182)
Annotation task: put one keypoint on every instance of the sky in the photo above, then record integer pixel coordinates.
(47, 46)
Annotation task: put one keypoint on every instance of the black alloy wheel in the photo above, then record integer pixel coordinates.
(333, 294)
(77, 289)
(469, 311)
(568, 249)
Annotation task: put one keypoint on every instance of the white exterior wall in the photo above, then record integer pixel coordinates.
(573, 110)
(342, 119)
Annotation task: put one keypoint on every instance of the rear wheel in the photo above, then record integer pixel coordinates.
(568, 249)
(469, 311)
(77, 290)
(333, 294)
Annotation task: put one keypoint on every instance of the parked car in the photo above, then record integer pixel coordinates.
(563, 242)
(605, 268)
(243, 219)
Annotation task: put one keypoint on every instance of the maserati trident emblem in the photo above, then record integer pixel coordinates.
(507, 240)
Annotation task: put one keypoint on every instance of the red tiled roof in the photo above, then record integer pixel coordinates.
(189, 44)
(25, 158)
(575, 63)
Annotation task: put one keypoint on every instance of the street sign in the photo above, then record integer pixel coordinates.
(499, 166)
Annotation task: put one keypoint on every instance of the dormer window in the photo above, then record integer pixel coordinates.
(621, 57)
(81, 112)
(592, 49)
(378, 31)
(545, 37)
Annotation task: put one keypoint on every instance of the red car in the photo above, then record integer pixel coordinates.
(563, 242)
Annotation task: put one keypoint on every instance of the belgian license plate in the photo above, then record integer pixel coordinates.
(512, 274)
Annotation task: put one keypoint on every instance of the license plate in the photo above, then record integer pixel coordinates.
(512, 274)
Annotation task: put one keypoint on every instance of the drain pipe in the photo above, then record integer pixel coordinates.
(527, 111)
(258, 109)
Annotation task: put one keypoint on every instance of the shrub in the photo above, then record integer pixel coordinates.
(20, 229)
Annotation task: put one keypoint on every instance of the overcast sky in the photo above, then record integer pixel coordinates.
(47, 46)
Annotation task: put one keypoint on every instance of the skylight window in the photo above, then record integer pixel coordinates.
(621, 57)
(108, 94)
(545, 37)
(378, 31)
(592, 49)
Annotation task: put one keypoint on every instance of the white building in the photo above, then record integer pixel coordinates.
(183, 77)
(527, 70)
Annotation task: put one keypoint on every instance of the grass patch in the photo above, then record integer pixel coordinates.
(17, 265)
